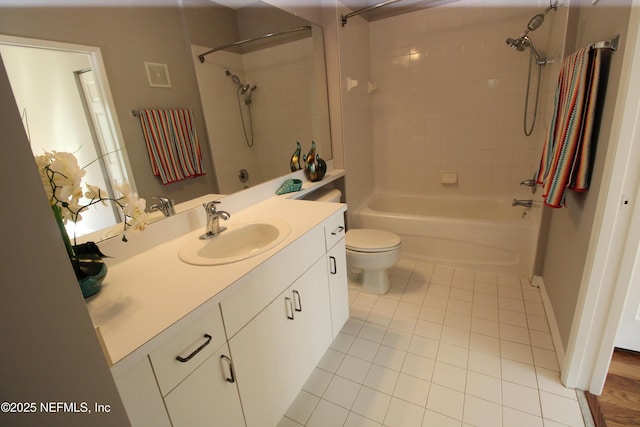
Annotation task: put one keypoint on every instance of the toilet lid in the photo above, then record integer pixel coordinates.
(368, 240)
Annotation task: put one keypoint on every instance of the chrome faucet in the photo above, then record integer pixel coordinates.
(164, 205)
(531, 183)
(213, 220)
(525, 203)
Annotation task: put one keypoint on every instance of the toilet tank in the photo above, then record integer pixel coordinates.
(331, 195)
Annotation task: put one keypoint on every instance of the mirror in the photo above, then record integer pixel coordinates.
(170, 34)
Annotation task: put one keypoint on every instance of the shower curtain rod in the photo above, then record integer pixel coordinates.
(264, 36)
(346, 17)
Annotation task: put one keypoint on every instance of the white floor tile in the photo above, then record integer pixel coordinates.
(431, 314)
(446, 347)
(453, 354)
(354, 369)
(484, 344)
(342, 342)
(428, 329)
(397, 339)
(521, 398)
(519, 373)
(402, 323)
(341, 391)
(512, 304)
(481, 413)
(364, 349)
(516, 351)
(432, 419)
(484, 363)
(328, 414)
(549, 381)
(561, 409)
(545, 359)
(446, 401)
(418, 366)
(372, 404)
(371, 332)
(484, 387)
(287, 422)
(302, 407)
(513, 418)
(382, 379)
(412, 389)
(355, 420)
(331, 360)
(318, 382)
(390, 357)
(403, 414)
(425, 347)
(450, 376)
(455, 336)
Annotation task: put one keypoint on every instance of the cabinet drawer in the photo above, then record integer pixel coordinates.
(194, 344)
(334, 230)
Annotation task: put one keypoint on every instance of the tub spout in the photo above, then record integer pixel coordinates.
(525, 203)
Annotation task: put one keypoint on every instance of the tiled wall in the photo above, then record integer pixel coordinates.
(450, 97)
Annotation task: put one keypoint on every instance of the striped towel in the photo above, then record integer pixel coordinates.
(172, 143)
(567, 155)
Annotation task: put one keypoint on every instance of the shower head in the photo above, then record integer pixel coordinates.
(523, 42)
(537, 20)
(242, 88)
(516, 44)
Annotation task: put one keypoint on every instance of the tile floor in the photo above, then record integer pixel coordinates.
(445, 347)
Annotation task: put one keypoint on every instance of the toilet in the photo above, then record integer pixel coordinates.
(370, 253)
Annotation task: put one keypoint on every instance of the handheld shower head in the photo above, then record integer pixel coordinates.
(516, 44)
(521, 43)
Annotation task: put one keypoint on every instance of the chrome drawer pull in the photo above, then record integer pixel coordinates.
(232, 377)
(289, 308)
(298, 306)
(333, 268)
(196, 351)
(337, 231)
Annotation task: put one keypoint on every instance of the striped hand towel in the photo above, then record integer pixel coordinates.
(172, 142)
(567, 155)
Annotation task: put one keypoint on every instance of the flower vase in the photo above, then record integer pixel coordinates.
(89, 268)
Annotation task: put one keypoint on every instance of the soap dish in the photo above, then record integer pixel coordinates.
(289, 186)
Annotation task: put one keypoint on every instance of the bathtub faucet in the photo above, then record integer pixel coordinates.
(525, 203)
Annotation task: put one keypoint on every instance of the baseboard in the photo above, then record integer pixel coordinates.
(551, 319)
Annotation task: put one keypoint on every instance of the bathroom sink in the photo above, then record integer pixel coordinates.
(240, 241)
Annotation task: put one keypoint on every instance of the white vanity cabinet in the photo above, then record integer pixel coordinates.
(242, 356)
(208, 396)
(275, 353)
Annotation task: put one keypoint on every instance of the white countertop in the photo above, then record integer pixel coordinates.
(144, 295)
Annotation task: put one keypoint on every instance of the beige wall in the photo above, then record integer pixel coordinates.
(569, 229)
(128, 37)
(50, 352)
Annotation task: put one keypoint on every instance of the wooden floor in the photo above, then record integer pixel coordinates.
(619, 404)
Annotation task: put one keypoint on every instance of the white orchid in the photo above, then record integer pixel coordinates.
(62, 179)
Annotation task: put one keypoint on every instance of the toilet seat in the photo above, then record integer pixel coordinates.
(371, 241)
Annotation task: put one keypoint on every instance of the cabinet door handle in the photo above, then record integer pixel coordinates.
(297, 301)
(333, 265)
(232, 375)
(338, 230)
(289, 308)
(196, 351)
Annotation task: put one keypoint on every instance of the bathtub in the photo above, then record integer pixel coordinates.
(477, 234)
